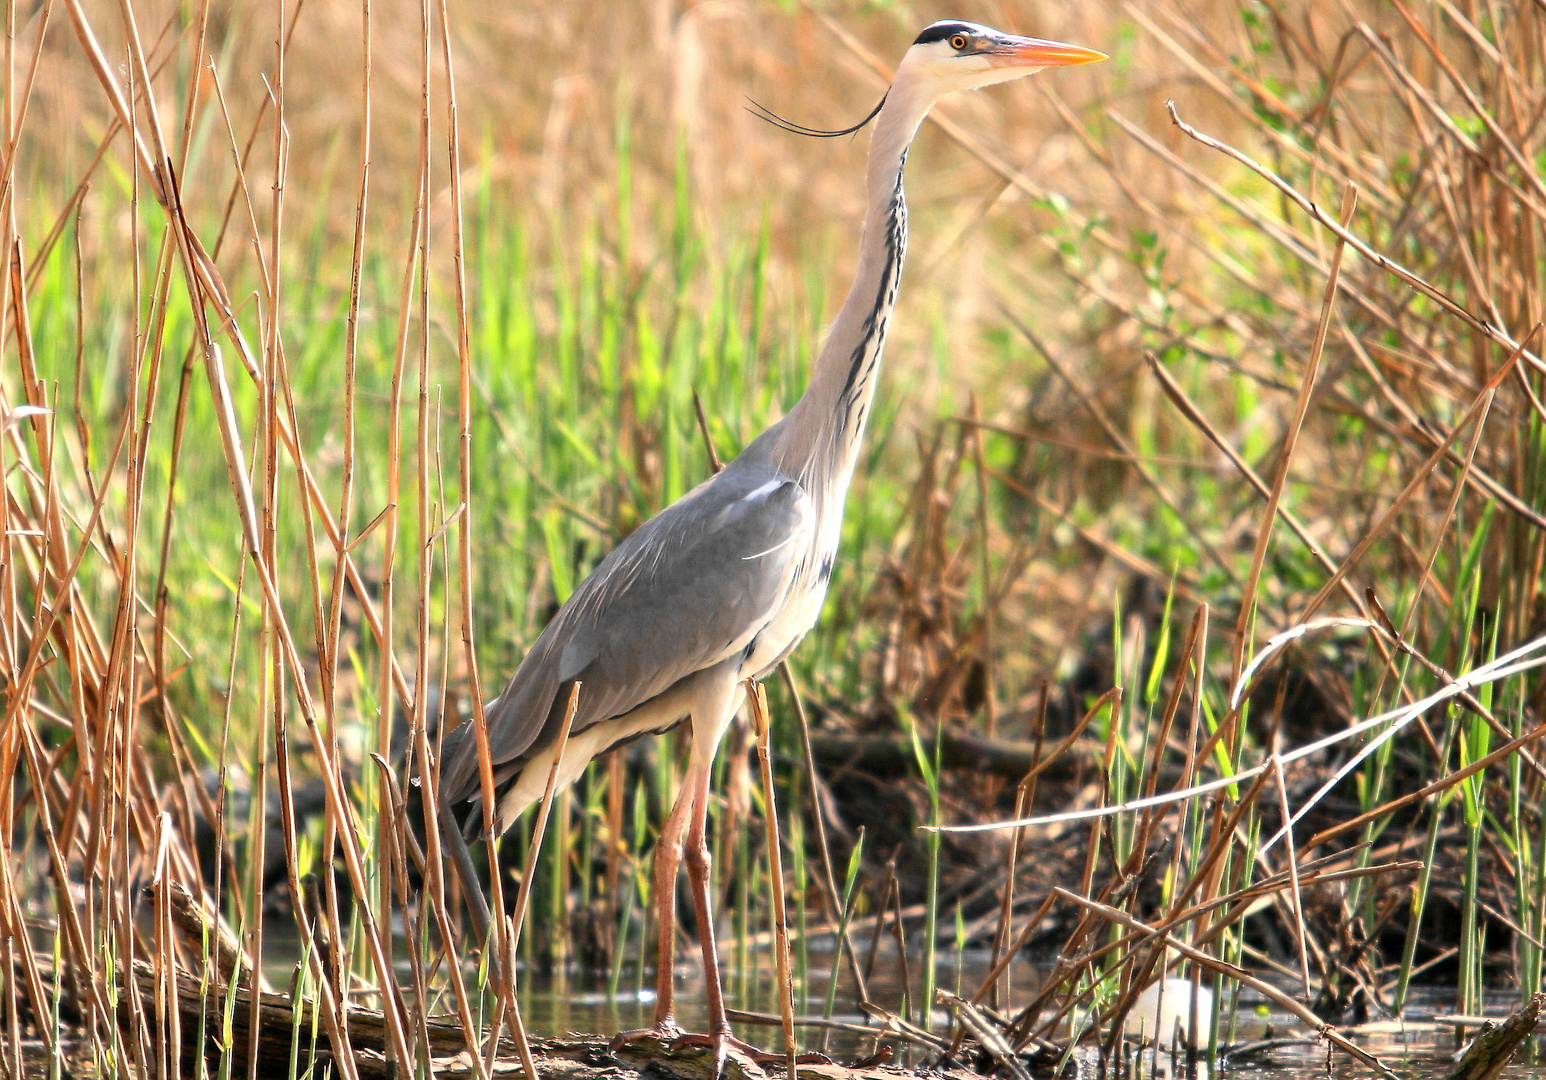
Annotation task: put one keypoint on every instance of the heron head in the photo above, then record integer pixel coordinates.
(953, 55)
(948, 56)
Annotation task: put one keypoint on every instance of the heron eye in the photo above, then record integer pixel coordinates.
(958, 42)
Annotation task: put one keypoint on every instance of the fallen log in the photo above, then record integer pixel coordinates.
(1495, 1046)
(572, 1057)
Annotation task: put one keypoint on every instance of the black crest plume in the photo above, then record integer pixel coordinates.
(762, 112)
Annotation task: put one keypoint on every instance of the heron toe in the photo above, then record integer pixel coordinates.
(665, 1032)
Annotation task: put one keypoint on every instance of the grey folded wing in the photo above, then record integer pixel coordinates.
(688, 589)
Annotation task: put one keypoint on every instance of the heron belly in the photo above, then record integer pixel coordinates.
(653, 717)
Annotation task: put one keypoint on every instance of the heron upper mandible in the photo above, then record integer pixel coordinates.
(722, 584)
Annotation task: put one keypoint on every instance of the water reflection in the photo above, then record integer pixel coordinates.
(1259, 1037)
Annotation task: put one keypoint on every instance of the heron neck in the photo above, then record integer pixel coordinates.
(821, 435)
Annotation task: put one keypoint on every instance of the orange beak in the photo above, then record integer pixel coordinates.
(1036, 53)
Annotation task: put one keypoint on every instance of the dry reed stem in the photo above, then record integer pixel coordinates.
(1295, 893)
(1120, 441)
(1025, 794)
(1204, 879)
(1239, 974)
(429, 786)
(757, 699)
(1184, 404)
(312, 490)
(827, 878)
(703, 429)
(1494, 333)
(1245, 620)
(1190, 410)
(1476, 413)
(528, 875)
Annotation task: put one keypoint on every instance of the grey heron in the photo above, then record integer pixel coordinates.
(721, 585)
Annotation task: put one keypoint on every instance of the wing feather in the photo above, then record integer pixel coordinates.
(686, 590)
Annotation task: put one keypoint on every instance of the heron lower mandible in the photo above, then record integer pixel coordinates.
(721, 585)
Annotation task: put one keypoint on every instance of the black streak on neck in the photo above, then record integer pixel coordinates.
(867, 351)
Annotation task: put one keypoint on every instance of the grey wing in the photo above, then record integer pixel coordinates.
(685, 591)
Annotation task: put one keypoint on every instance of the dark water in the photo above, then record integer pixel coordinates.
(1419, 1048)
(554, 1005)
(557, 1004)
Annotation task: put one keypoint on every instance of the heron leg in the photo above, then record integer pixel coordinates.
(719, 1039)
(692, 807)
(668, 858)
(711, 714)
(699, 865)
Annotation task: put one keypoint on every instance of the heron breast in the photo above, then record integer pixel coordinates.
(789, 624)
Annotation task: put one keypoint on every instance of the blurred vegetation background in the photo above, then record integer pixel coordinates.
(635, 234)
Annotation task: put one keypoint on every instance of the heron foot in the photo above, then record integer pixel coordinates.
(665, 1032)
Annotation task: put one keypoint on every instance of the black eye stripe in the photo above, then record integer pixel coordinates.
(942, 30)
